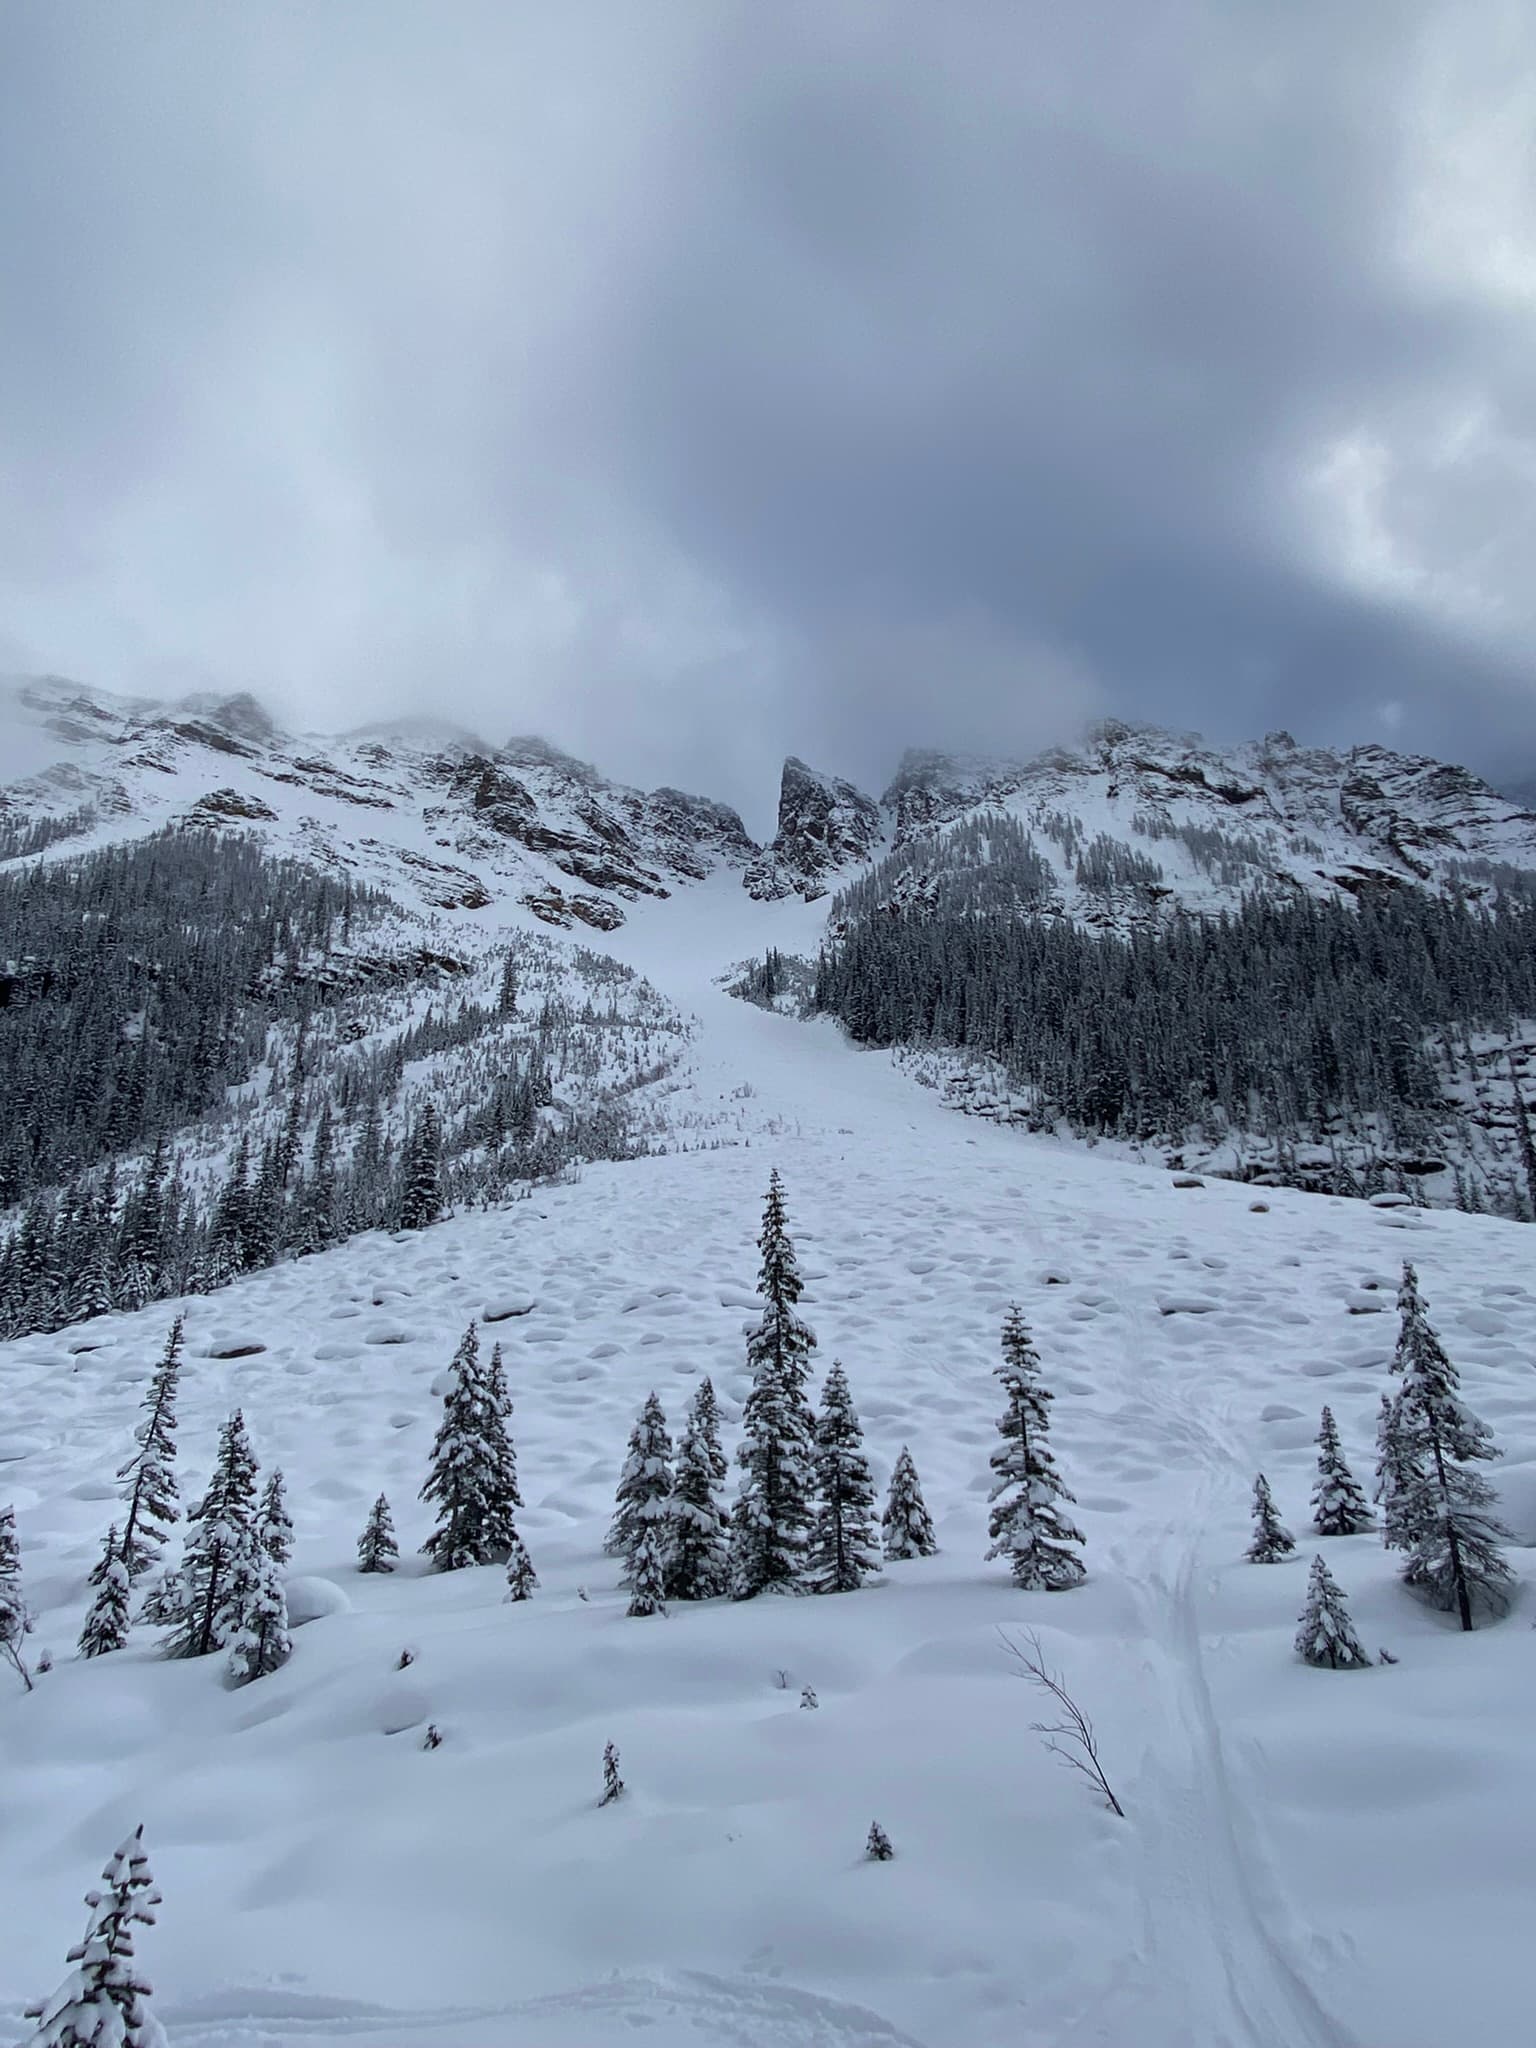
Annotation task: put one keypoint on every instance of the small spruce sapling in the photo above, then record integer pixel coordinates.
(102, 2002)
(1271, 1539)
(808, 1699)
(274, 1524)
(906, 1523)
(647, 1571)
(877, 1846)
(1326, 1635)
(613, 1784)
(433, 1739)
(521, 1576)
(1339, 1507)
(377, 1549)
(106, 1622)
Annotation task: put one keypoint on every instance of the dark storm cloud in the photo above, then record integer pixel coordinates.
(699, 381)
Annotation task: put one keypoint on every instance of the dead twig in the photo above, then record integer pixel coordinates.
(1071, 1738)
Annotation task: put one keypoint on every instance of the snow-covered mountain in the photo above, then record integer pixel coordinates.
(429, 811)
(446, 819)
(1306, 1858)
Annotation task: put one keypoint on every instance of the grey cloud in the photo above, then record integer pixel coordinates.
(701, 382)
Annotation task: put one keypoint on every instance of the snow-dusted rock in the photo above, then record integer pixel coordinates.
(826, 825)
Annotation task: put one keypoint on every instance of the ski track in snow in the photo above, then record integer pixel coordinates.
(304, 1850)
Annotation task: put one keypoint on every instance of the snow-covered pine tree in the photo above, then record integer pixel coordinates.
(1271, 1539)
(102, 2002)
(1326, 1634)
(770, 1525)
(274, 1525)
(844, 1546)
(1027, 1525)
(613, 1784)
(647, 1570)
(506, 1497)
(149, 1477)
(698, 1557)
(254, 1621)
(1339, 1507)
(472, 1478)
(15, 1616)
(421, 1197)
(1443, 1511)
(521, 1576)
(645, 1485)
(220, 1535)
(106, 1621)
(376, 1547)
(877, 1845)
(906, 1523)
(1394, 1469)
(705, 1413)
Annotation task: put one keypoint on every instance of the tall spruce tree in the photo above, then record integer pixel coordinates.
(844, 1546)
(274, 1524)
(698, 1556)
(102, 2002)
(220, 1537)
(377, 1548)
(906, 1523)
(472, 1479)
(502, 1531)
(1271, 1539)
(770, 1526)
(1027, 1525)
(421, 1198)
(645, 1485)
(106, 1620)
(1326, 1634)
(149, 1477)
(1339, 1507)
(1443, 1511)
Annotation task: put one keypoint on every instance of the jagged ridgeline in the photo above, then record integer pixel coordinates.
(211, 1060)
(1374, 1026)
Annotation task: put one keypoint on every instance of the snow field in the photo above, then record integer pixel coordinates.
(1308, 1857)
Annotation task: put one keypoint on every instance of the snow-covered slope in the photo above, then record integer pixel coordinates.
(1309, 1859)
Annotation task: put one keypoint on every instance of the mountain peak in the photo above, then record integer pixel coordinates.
(825, 824)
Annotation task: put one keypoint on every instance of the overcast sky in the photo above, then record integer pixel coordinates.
(700, 382)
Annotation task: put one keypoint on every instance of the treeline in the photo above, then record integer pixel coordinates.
(204, 1075)
(1277, 1019)
(138, 984)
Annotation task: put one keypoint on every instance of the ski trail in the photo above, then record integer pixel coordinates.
(1213, 1913)
(689, 2007)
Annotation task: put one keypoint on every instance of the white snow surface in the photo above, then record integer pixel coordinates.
(1309, 1859)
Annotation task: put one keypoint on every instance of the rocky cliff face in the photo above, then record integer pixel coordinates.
(1132, 823)
(430, 812)
(826, 827)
